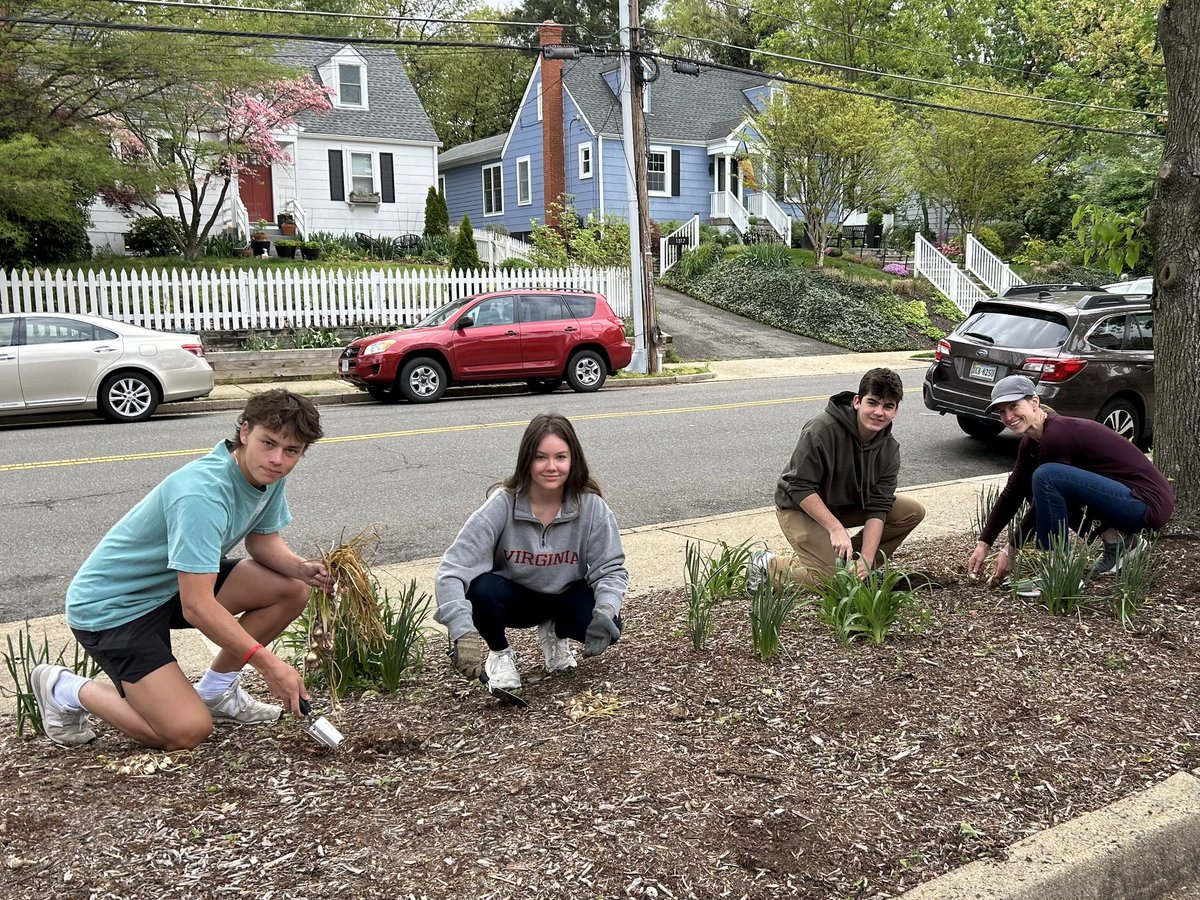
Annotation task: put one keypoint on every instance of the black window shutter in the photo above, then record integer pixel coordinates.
(387, 179)
(674, 173)
(337, 186)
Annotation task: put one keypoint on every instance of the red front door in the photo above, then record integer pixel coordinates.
(254, 185)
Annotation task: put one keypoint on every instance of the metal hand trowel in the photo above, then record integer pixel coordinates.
(319, 729)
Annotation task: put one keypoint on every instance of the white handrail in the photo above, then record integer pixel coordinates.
(669, 252)
(763, 205)
(989, 268)
(299, 217)
(945, 275)
(723, 205)
(241, 219)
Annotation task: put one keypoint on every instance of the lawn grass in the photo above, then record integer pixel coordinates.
(808, 259)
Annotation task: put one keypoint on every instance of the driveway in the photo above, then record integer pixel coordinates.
(704, 332)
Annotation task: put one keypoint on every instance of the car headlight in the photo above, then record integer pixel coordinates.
(377, 347)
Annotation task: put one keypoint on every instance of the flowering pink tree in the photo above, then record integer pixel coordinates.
(189, 143)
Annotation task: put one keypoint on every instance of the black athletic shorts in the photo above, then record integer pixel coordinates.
(133, 650)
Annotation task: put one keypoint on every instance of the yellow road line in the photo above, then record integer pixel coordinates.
(413, 432)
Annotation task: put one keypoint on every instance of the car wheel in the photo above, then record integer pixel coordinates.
(544, 385)
(979, 428)
(383, 394)
(586, 371)
(422, 380)
(1122, 417)
(127, 397)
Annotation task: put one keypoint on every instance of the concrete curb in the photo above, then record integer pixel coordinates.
(351, 395)
(1139, 847)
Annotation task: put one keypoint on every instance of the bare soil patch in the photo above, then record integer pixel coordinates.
(651, 771)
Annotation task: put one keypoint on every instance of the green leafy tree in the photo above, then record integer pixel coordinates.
(975, 165)
(466, 254)
(833, 152)
(1113, 239)
(709, 31)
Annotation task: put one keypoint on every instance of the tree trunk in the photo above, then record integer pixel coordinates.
(1173, 223)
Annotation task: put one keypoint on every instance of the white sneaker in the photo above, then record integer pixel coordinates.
(756, 570)
(500, 667)
(555, 650)
(67, 728)
(235, 705)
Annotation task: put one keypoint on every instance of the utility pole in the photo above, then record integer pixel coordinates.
(641, 271)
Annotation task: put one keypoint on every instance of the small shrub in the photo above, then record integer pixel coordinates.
(898, 269)
(875, 217)
(1011, 235)
(903, 235)
(152, 236)
(768, 256)
(466, 254)
(871, 262)
(515, 262)
(833, 252)
(990, 240)
(220, 245)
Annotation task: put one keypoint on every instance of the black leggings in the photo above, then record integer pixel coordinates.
(497, 604)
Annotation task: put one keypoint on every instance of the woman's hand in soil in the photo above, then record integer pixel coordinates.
(978, 559)
(1004, 565)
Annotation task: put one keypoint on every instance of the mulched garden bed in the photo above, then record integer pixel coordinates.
(652, 771)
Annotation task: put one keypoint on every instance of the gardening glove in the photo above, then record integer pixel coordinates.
(467, 655)
(600, 634)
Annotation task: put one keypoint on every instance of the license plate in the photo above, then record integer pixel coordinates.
(345, 365)
(983, 371)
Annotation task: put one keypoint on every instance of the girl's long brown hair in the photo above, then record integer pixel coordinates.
(579, 479)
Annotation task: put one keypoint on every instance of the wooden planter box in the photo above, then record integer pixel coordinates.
(232, 366)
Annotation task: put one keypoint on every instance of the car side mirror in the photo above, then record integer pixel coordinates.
(464, 322)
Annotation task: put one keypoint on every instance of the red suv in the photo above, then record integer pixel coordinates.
(540, 337)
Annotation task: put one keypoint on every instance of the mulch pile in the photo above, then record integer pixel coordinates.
(652, 771)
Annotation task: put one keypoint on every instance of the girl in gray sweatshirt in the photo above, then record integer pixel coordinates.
(542, 551)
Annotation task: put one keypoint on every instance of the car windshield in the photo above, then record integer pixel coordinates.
(1005, 328)
(443, 314)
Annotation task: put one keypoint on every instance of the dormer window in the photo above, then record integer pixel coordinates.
(351, 88)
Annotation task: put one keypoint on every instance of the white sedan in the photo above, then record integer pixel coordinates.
(51, 362)
(1133, 286)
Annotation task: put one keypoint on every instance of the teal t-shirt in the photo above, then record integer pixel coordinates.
(186, 524)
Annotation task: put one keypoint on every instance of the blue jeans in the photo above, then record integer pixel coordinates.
(497, 604)
(1064, 497)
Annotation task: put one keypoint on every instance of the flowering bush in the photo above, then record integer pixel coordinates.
(950, 250)
(835, 252)
(897, 269)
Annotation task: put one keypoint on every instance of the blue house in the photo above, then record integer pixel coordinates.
(566, 139)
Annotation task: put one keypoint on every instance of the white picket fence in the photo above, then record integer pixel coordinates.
(233, 299)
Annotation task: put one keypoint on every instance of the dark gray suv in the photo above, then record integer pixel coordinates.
(1090, 352)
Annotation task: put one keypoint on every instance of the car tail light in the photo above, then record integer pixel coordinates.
(1052, 368)
(942, 351)
(195, 349)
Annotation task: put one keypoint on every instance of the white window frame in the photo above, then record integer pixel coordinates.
(528, 192)
(338, 100)
(587, 164)
(499, 168)
(539, 101)
(441, 185)
(665, 152)
(348, 155)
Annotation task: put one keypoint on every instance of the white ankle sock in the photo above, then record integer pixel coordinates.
(214, 684)
(66, 690)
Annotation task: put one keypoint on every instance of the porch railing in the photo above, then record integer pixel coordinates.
(241, 219)
(723, 205)
(495, 248)
(763, 205)
(672, 246)
(946, 276)
(989, 268)
(299, 216)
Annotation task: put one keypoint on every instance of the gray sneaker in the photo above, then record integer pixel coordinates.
(235, 705)
(66, 727)
(1117, 553)
(556, 651)
(757, 571)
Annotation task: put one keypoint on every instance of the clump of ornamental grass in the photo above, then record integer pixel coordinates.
(868, 608)
(1132, 584)
(770, 606)
(1057, 572)
(718, 576)
(354, 635)
(20, 661)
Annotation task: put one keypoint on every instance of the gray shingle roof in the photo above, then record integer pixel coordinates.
(472, 152)
(395, 111)
(682, 107)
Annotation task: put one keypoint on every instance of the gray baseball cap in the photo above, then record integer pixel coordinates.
(1010, 389)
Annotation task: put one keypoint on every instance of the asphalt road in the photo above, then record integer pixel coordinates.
(660, 454)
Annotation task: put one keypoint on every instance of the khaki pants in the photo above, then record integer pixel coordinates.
(815, 561)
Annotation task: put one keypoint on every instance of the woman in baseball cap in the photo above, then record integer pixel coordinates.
(1065, 466)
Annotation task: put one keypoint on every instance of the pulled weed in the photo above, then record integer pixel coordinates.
(21, 660)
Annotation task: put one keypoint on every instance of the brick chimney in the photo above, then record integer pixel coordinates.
(554, 175)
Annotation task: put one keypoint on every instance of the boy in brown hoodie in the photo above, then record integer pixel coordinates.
(842, 475)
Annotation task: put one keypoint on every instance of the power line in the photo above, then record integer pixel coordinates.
(914, 79)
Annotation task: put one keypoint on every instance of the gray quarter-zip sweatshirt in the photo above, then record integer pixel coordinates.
(505, 537)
